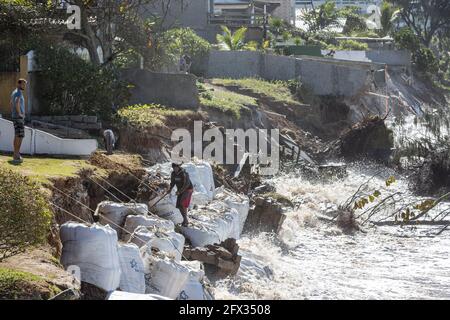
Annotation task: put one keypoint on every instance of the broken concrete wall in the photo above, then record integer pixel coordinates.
(169, 89)
(322, 76)
(325, 77)
(389, 57)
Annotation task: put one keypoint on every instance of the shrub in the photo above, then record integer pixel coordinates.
(24, 215)
(352, 45)
(406, 39)
(146, 115)
(425, 60)
(354, 23)
(71, 85)
(423, 57)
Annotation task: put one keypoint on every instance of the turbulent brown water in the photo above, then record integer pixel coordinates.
(312, 259)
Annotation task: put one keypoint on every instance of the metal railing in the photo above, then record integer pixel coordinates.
(237, 19)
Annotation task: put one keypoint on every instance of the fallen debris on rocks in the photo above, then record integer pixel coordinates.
(221, 260)
(266, 216)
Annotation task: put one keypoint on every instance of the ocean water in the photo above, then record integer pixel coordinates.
(313, 259)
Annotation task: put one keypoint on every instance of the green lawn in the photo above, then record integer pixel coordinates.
(44, 168)
(228, 102)
(277, 90)
(150, 115)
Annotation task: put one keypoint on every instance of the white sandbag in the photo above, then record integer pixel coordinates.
(93, 250)
(141, 236)
(201, 176)
(162, 169)
(212, 224)
(206, 177)
(199, 199)
(170, 243)
(133, 222)
(193, 289)
(201, 235)
(166, 208)
(194, 175)
(164, 276)
(116, 213)
(121, 295)
(237, 201)
(132, 277)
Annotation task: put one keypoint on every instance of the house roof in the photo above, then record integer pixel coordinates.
(271, 5)
(245, 2)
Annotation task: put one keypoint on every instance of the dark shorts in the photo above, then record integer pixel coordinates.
(184, 199)
(19, 128)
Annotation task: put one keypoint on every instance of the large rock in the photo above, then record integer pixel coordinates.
(221, 260)
(266, 216)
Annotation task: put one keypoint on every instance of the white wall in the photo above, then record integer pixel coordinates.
(40, 142)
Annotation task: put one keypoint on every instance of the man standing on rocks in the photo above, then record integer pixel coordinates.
(18, 118)
(181, 179)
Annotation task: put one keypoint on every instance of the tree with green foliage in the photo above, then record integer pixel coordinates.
(24, 214)
(324, 16)
(425, 17)
(75, 86)
(110, 25)
(354, 21)
(389, 15)
(423, 57)
(170, 45)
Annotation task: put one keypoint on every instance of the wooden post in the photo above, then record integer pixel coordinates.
(23, 73)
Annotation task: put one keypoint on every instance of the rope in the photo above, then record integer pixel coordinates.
(120, 201)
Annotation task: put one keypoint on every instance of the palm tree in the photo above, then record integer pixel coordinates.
(232, 41)
(388, 16)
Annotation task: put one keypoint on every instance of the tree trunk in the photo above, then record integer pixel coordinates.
(91, 42)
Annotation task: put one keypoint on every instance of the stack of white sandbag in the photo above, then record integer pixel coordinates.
(121, 295)
(114, 214)
(93, 250)
(237, 201)
(133, 222)
(164, 276)
(194, 289)
(212, 224)
(132, 278)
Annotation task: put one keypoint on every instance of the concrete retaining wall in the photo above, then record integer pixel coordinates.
(78, 122)
(40, 142)
(389, 57)
(169, 89)
(321, 75)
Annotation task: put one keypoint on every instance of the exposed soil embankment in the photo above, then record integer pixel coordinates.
(115, 178)
(153, 139)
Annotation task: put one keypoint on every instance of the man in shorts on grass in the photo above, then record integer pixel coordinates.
(18, 118)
